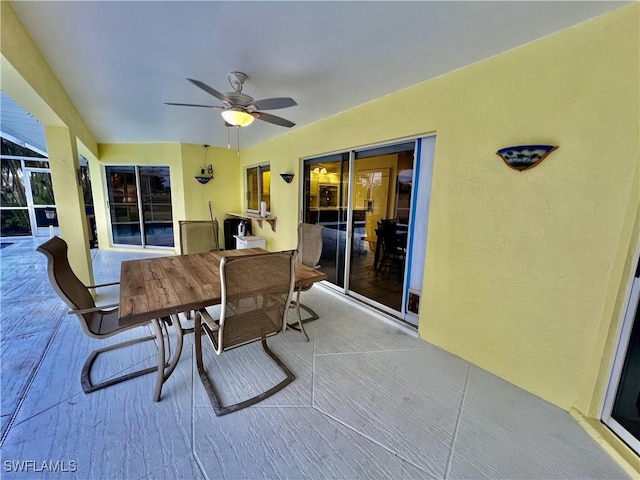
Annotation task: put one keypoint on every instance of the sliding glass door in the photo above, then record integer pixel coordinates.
(374, 206)
(621, 410)
(380, 221)
(326, 187)
(140, 206)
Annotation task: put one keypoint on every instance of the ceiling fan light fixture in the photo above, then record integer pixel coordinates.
(237, 117)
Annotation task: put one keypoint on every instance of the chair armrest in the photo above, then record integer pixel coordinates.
(103, 285)
(208, 319)
(93, 309)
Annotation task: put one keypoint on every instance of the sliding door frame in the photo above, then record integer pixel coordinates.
(352, 151)
(622, 346)
(143, 242)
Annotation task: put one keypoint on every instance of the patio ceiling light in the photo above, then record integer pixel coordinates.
(237, 117)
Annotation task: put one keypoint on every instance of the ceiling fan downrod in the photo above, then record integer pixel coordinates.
(236, 80)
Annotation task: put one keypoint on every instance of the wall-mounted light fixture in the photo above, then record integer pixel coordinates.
(319, 170)
(206, 172)
(523, 157)
(287, 177)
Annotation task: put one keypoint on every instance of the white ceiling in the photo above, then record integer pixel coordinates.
(119, 61)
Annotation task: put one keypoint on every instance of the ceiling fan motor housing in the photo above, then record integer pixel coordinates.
(239, 98)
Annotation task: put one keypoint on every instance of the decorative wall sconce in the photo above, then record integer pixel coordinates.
(287, 177)
(319, 170)
(523, 157)
(206, 172)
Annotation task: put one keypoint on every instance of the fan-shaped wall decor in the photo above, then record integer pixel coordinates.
(287, 177)
(523, 157)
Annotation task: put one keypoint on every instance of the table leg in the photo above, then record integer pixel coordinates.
(160, 344)
(165, 370)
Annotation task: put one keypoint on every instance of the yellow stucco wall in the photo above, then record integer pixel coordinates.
(519, 264)
(222, 191)
(524, 270)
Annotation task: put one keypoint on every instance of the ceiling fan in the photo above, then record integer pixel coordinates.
(241, 109)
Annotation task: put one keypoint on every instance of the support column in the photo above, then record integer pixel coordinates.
(63, 161)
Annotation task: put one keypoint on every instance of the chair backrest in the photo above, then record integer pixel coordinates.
(388, 234)
(309, 244)
(256, 292)
(198, 236)
(65, 283)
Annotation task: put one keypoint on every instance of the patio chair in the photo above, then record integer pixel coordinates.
(309, 252)
(198, 236)
(256, 291)
(97, 322)
(393, 251)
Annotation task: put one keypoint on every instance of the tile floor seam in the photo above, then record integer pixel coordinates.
(374, 441)
(29, 384)
(367, 351)
(31, 299)
(79, 392)
(194, 453)
(313, 368)
(457, 427)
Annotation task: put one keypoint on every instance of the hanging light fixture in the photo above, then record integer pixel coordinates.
(237, 117)
(206, 172)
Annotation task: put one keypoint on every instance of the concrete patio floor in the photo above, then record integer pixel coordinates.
(369, 401)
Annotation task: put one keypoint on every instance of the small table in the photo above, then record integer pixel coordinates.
(155, 288)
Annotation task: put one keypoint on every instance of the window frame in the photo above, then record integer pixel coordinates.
(262, 167)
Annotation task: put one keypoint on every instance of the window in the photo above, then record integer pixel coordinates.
(258, 187)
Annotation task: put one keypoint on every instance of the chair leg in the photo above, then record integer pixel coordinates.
(85, 376)
(220, 410)
(312, 316)
(300, 326)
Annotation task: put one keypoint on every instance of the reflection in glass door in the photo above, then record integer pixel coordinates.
(326, 182)
(381, 208)
(140, 205)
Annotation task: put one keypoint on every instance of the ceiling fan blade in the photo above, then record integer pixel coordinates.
(274, 103)
(210, 91)
(191, 105)
(267, 117)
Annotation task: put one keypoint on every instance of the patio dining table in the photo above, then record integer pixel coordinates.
(163, 287)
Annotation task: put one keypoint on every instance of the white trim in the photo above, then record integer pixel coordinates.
(622, 345)
(348, 237)
(22, 143)
(352, 302)
(260, 188)
(370, 146)
(105, 183)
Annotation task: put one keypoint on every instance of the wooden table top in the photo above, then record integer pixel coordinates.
(157, 287)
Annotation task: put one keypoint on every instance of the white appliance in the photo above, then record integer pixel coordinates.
(250, 241)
